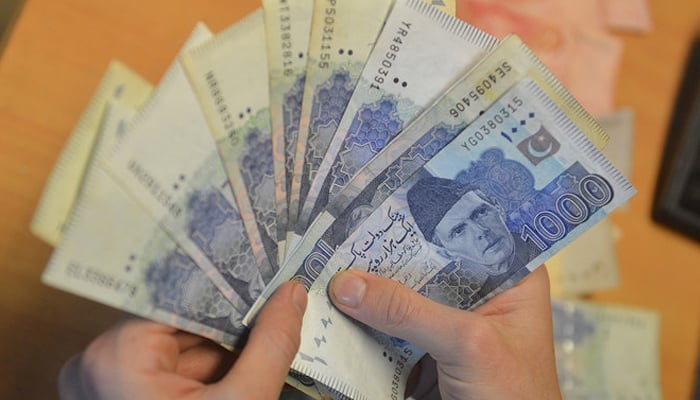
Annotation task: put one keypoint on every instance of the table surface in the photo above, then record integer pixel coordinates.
(57, 55)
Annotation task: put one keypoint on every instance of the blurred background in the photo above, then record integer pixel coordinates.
(625, 64)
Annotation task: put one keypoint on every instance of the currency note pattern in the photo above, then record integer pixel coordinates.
(372, 128)
(351, 214)
(329, 103)
(385, 246)
(291, 108)
(217, 229)
(511, 185)
(257, 169)
(539, 218)
(177, 285)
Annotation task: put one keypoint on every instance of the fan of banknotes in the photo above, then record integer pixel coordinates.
(313, 137)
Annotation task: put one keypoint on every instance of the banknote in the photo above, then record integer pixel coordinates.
(507, 193)
(288, 26)
(398, 81)
(234, 63)
(169, 163)
(417, 143)
(606, 352)
(115, 253)
(586, 265)
(63, 184)
(342, 36)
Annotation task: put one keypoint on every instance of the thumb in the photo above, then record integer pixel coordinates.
(392, 308)
(262, 367)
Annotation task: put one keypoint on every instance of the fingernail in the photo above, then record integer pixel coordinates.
(299, 297)
(348, 289)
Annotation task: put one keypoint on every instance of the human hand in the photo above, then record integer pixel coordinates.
(502, 350)
(140, 359)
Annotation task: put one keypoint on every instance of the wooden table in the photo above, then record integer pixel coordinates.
(55, 59)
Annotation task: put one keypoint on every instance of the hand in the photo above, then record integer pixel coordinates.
(502, 350)
(141, 359)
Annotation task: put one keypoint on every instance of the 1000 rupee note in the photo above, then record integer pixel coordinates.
(288, 26)
(63, 185)
(169, 163)
(230, 78)
(342, 36)
(605, 352)
(417, 143)
(401, 77)
(479, 216)
(115, 253)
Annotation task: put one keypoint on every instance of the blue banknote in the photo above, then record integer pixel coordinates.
(507, 193)
(287, 33)
(399, 80)
(474, 92)
(339, 45)
(215, 226)
(241, 125)
(256, 168)
(327, 108)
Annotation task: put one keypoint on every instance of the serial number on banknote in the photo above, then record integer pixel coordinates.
(286, 39)
(156, 189)
(221, 107)
(481, 88)
(390, 57)
(398, 371)
(99, 278)
(327, 37)
(492, 124)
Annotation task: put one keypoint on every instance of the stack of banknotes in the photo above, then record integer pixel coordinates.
(312, 137)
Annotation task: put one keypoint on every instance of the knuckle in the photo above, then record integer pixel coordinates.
(475, 337)
(399, 309)
(97, 358)
(283, 341)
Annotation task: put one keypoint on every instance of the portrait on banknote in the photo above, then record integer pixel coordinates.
(467, 227)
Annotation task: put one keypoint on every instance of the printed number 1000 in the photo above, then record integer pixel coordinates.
(549, 226)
